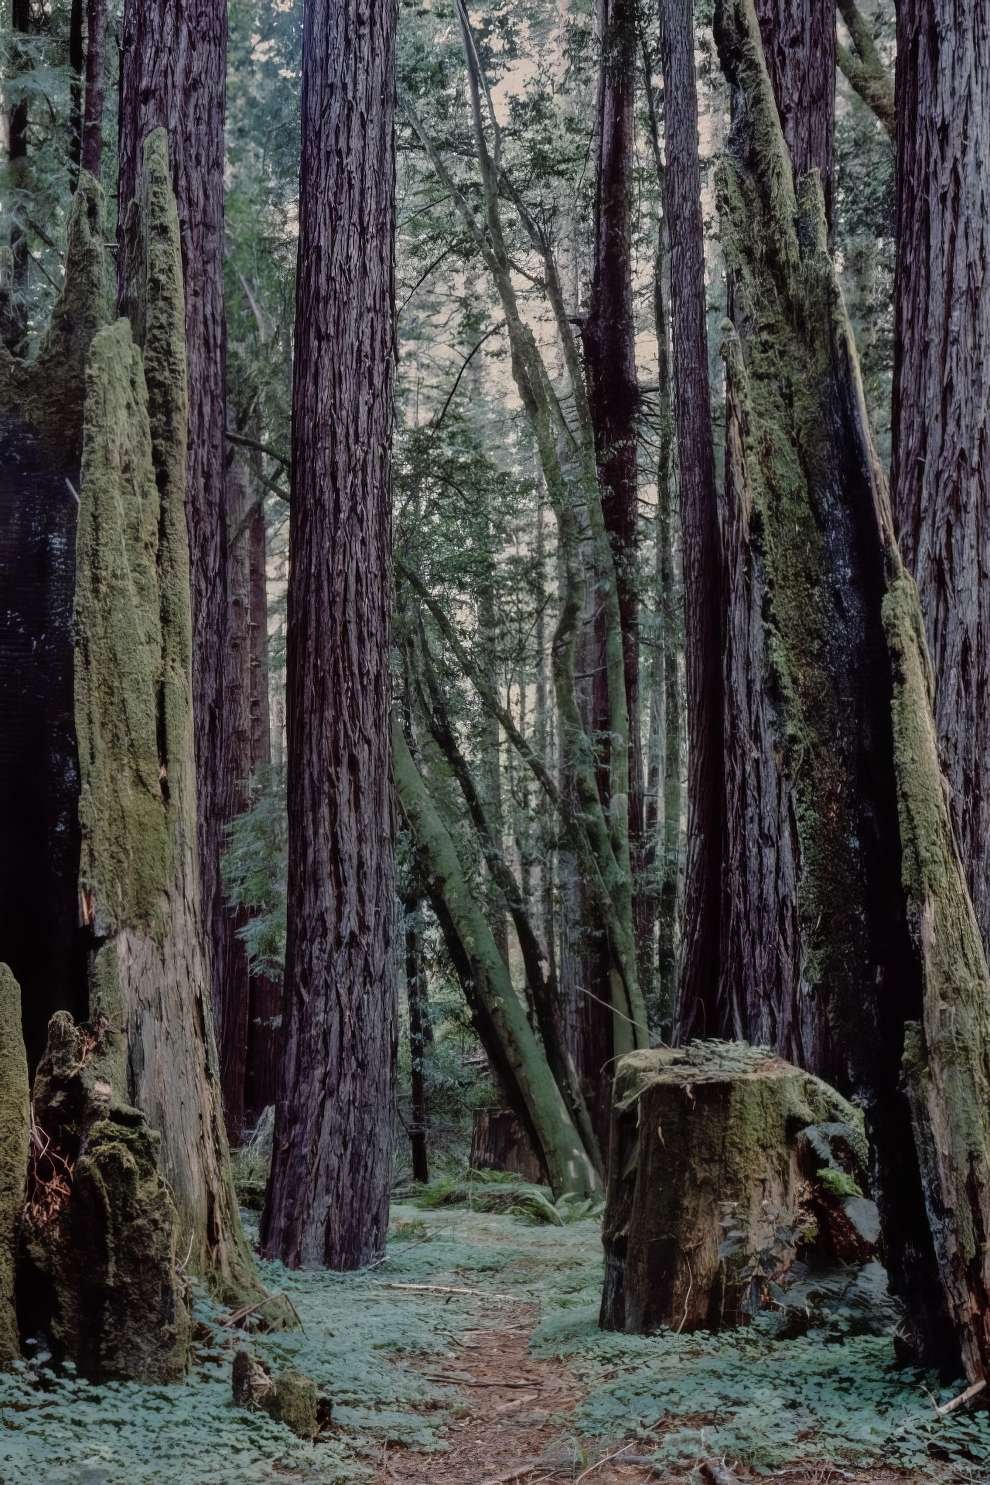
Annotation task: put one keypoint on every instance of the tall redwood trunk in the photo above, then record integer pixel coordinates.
(609, 338)
(799, 45)
(328, 1195)
(769, 989)
(941, 482)
(77, 58)
(698, 991)
(173, 73)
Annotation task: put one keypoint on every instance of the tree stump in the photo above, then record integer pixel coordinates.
(499, 1141)
(14, 1138)
(100, 1271)
(709, 1195)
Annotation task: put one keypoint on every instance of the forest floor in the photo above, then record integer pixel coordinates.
(471, 1356)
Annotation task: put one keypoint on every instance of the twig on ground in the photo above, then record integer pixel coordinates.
(964, 1397)
(607, 1460)
(470, 1382)
(456, 1289)
(517, 1472)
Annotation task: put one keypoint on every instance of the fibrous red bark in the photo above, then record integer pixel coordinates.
(327, 1200)
(609, 340)
(92, 119)
(940, 477)
(698, 994)
(799, 44)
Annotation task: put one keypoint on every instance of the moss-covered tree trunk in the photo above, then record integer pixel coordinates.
(517, 1054)
(173, 76)
(105, 404)
(139, 879)
(828, 682)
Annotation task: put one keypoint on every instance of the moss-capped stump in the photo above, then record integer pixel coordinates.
(707, 1197)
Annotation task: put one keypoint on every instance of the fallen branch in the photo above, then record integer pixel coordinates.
(470, 1382)
(456, 1289)
(597, 1466)
(962, 1399)
(518, 1472)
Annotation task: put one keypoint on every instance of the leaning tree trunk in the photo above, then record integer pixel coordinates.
(517, 1056)
(698, 1008)
(173, 75)
(328, 1196)
(940, 479)
(420, 1037)
(831, 643)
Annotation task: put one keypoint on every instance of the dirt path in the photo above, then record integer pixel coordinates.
(515, 1423)
(514, 1426)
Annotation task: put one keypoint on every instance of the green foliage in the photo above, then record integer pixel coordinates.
(838, 1183)
(254, 871)
(754, 1395)
(495, 1191)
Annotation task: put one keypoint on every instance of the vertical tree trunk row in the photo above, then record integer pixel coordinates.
(799, 44)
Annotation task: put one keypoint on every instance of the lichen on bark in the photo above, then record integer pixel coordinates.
(99, 1265)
